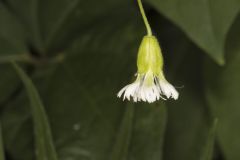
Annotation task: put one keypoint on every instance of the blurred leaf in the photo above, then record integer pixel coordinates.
(27, 13)
(50, 23)
(148, 132)
(210, 142)
(12, 45)
(8, 84)
(45, 149)
(121, 146)
(16, 126)
(12, 40)
(206, 22)
(69, 19)
(188, 122)
(223, 91)
(1, 145)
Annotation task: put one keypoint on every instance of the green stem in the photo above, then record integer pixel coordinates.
(15, 57)
(149, 30)
(26, 58)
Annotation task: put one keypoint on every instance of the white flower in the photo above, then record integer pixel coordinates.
(151, 84)
(148, 88)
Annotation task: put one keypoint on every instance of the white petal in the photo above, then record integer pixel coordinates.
(135, 98)
(168, 90)
(156, 92)
(165, 89)
(175, 94)
(121, 91)
(129, 90)
(148, 90)
(148, 94)
(143, 96)
(152, 95)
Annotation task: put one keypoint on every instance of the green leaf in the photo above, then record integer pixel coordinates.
(8, 85)
(2, 157)
(188, 121)
(206, 22)
(44, 144)
(12, 46)
(149, 132)
(12, 40)
(50, 23)
(222, 91)
(68, 19)
(208, 155)
(16, 126)
(121, 147)
(28, 14)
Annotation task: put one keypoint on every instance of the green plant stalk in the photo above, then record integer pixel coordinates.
(149, 30)
(45, 149)
(15, 57)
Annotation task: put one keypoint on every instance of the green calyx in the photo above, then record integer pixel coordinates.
(150, 57)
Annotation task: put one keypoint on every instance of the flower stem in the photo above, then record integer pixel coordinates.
(15, 57)
(149, 30)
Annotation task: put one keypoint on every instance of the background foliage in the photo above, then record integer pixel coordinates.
(77, 54)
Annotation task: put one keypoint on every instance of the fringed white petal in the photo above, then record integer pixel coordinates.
(129, 90)
(168, 90)
(148, 88)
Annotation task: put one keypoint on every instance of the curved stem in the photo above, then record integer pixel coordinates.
(149, 30)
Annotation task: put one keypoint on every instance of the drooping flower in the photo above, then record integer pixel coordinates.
(151, 84)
